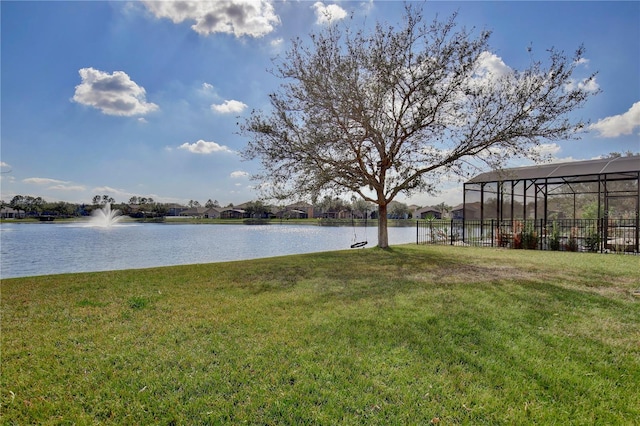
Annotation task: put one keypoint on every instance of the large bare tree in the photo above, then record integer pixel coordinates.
(390, 111)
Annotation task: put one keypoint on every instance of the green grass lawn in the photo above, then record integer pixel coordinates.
(411, 335)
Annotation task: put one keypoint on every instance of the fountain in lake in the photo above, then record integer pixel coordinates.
(105, 217)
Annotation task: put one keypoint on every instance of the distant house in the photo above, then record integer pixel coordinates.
(427, 212)
(10, 213)
(356, 214)
(194, 212)
(254, 210)
(413, 209)
(232, 213)
(457, 212)
(336, 214)
(212, 213)
(472, 211)
(299, 210)
(175, 209)
(295, 211)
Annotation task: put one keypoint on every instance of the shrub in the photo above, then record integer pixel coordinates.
(572, 242)
(592, 240)
(529, 237)
(524, 236)
(554, 237)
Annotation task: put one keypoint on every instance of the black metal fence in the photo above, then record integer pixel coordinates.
(585, 235)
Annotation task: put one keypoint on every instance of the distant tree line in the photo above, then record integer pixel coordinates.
(147, 207)
(38, 206)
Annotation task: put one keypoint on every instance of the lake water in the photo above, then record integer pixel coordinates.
(51, 248)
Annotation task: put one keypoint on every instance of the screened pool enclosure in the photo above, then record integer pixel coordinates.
(579, 206)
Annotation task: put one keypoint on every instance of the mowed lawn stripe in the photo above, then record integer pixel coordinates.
(410, 335)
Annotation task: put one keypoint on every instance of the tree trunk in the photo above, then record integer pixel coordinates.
(383, 235)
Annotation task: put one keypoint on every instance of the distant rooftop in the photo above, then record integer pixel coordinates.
(619, 166)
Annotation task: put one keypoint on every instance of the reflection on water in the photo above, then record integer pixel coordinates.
(41, 249)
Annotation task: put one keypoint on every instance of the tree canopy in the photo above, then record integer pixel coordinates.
(390, 111)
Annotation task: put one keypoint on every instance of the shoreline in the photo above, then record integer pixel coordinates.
(169, 220)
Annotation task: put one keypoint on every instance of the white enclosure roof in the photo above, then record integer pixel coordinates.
(616, 166)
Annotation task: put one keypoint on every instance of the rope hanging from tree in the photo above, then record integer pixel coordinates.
(356, 243)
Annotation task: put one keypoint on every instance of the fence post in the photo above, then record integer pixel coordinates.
(451, 231)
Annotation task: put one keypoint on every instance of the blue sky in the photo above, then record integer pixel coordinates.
(143, 98)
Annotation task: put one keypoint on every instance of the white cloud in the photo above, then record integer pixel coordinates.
(490, 69)
(207, 86)
(490, 73)
(5, 177)
(568, 159)
(328, 14)
(254, 18)
(43, 181)
(547, 152)
(67, 187)
(203, 147)
(583, 61)
(590, 85)
(113, 94)
(239, 174)
(367, 6)
(277, 42)
(586, 84)
(229, 107)
(547, 149)
(617, 125)
(54, 184)
(492, 66)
